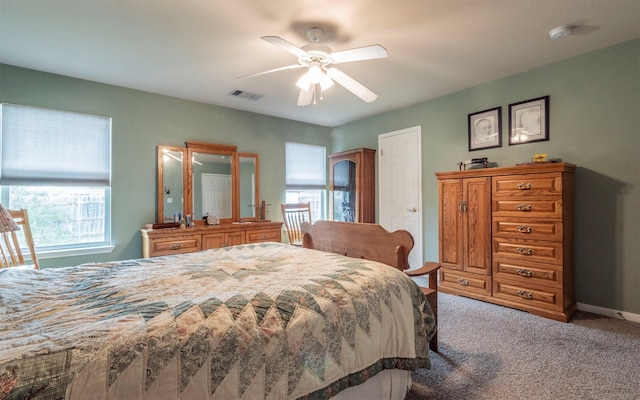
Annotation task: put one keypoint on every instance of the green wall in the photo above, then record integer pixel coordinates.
(142, 121)
(594, 123)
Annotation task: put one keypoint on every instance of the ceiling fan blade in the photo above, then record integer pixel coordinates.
(283, 44)
(351, 84)
(306, 96)
(271, 70)
(360, 53)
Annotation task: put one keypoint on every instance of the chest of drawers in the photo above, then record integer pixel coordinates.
(161, 242)
(530, 262)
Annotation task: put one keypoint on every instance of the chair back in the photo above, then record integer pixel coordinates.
(294, 214)
(10, 247)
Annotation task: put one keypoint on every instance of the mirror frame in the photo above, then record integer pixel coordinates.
(187, 179)
(161, 151)
(257, 186)
(210, 148)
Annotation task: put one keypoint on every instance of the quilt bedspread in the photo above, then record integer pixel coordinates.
(264, 321)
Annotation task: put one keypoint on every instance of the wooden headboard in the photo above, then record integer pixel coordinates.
(368, 241)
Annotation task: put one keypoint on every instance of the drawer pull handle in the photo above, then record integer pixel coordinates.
(176, 246)
(463, 282)
(524, 250)
(524, 185)
(524, 294)
(462, 206)
(524, 229)
(524, 207)
(524, 272)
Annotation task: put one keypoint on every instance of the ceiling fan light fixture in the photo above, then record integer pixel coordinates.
(325, 82)
(315, 74)
(304, 82)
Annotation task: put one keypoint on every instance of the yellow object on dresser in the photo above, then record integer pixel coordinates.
(506, 237)
(161, 242)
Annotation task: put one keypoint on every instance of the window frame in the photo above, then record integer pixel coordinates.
(299, 187)
(57, 124)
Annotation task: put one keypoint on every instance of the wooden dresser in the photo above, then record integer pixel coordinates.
(160, 242)
(506, 236)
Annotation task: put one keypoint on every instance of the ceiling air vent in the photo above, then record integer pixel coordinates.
(246, 95)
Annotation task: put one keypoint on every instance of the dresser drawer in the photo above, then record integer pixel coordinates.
(538, 207)
(537, 296)
(263, 235)
(528, 250)
(526, 228)
(527, 185)
(460, 281)
(174, 245)
(525, 273)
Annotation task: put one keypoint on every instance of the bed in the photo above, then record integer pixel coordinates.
(261, 321)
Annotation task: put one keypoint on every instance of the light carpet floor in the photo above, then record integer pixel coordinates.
(494, 352)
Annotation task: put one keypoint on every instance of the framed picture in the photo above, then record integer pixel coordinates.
(485, 129)
(529, 121)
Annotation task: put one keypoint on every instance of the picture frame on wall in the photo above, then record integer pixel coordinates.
(529, 121)
(485, 129)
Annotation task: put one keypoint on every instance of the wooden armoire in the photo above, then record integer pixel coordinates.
(352, 186)
(506, 236)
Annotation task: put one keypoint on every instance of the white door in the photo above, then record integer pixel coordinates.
(216, 195)
(400, 185)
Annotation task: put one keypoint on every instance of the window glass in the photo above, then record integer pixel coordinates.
(57, 165)
(306, 176)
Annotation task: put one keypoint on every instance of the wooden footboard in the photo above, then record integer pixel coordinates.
(372, 242)
(368, 241)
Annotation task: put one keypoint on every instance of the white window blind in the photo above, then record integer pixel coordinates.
(306, 166)
(51, 147)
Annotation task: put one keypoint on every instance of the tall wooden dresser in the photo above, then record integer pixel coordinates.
(506, 236)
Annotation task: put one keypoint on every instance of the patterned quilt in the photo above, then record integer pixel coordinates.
(264, 321)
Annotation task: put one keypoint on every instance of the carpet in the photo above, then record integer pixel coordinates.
(492, 352)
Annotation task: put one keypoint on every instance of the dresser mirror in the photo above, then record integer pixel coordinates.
(171, 178)
(207, 179)
(248, 178)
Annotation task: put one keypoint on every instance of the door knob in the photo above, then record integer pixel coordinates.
(412, 209)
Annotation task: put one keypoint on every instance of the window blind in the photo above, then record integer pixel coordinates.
(306, 166)
(46, 147)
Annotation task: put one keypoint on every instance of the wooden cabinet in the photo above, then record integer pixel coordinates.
(160, 242)
(352, 186)
(506, 236)
(465, 232)
(222, 239)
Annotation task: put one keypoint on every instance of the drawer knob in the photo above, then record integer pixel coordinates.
(524, 294)
(525, 251)
(524, 185)
(524, 229)
(463, 282)
(524, 272)
(176, 246)
(524, 207)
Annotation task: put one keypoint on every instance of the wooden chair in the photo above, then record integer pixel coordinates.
(373, 242)
(294, 214)
(9, 246)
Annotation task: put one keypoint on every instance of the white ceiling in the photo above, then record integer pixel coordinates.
(195, 49)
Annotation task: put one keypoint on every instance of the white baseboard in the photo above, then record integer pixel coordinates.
(609, 312)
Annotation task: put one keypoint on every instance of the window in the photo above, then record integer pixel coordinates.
(306, 176)
(57, 165)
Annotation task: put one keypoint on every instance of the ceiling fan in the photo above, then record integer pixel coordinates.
(319, 59)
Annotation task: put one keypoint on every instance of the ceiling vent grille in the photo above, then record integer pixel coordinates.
(246, 95)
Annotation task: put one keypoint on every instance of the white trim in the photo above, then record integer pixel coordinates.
(609, 312)
(81, 251)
